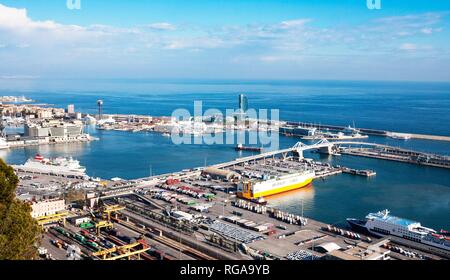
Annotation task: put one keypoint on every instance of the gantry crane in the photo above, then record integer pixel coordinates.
(125, 251)
(102, 224)
(108, 209)
(52, 218)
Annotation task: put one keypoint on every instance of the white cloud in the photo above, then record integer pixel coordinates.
(195, 43)
(282, 58)
(290, 42)
(18, 20)
(415, 47)
(412, 21)
(427, 30)
(408, 47)
(294, 23)
(162, 26)
(18, 77)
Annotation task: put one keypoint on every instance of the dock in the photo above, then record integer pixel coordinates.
(37, 142)
(335, 137)
(401, 155)
(376, 132)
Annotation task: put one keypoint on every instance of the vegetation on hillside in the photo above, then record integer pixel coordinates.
(19, 232)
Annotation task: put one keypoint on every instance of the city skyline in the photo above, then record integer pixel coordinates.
(293, 40)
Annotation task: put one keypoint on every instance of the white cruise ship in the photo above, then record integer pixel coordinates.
(57, 165)
(382, 224)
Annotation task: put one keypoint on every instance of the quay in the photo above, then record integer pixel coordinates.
(47, 141)
(375, 132)
(402, 155)
(336, 137)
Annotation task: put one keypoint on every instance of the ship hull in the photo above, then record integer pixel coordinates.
(283, 189)
(254, 189)
(358, 225)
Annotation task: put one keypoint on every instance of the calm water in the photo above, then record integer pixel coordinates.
(421, 193)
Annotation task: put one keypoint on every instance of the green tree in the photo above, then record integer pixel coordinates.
(19, 232)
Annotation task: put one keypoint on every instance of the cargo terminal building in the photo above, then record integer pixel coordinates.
(55, 131)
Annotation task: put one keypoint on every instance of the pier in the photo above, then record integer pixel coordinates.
(397, 154)
(354, 148)
(375, 132)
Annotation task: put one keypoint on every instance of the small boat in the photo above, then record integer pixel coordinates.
(241, 147)
(38, 157)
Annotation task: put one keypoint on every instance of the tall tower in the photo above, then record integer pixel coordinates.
(100, 109)
(243, 103)
(243, 107)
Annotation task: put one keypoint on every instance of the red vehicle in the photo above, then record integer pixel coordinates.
(172, 181)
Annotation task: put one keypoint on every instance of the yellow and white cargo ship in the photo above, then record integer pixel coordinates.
(256, 188)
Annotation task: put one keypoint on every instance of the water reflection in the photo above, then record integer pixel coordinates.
(295, 198)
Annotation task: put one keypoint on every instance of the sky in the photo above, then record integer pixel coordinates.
(226, 39)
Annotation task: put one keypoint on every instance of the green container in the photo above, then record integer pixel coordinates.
(60, 230)
(79, 237)
(86, 225)
(92, 244)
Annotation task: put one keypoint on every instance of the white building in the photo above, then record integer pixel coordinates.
(70, 109)
(54, 129)
(47, 207)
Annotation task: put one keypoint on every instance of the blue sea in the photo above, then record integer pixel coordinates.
(410, 191)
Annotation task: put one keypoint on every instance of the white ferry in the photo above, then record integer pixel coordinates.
(67, 166)
(382, 224)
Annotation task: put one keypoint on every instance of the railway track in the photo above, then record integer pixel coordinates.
(167, 241)
(86, 251)
(119, 242)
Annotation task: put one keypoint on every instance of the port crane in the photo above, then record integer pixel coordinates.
(52, 218)
(103, 224)
(108, 209)
(125, 251)
(106, 222)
